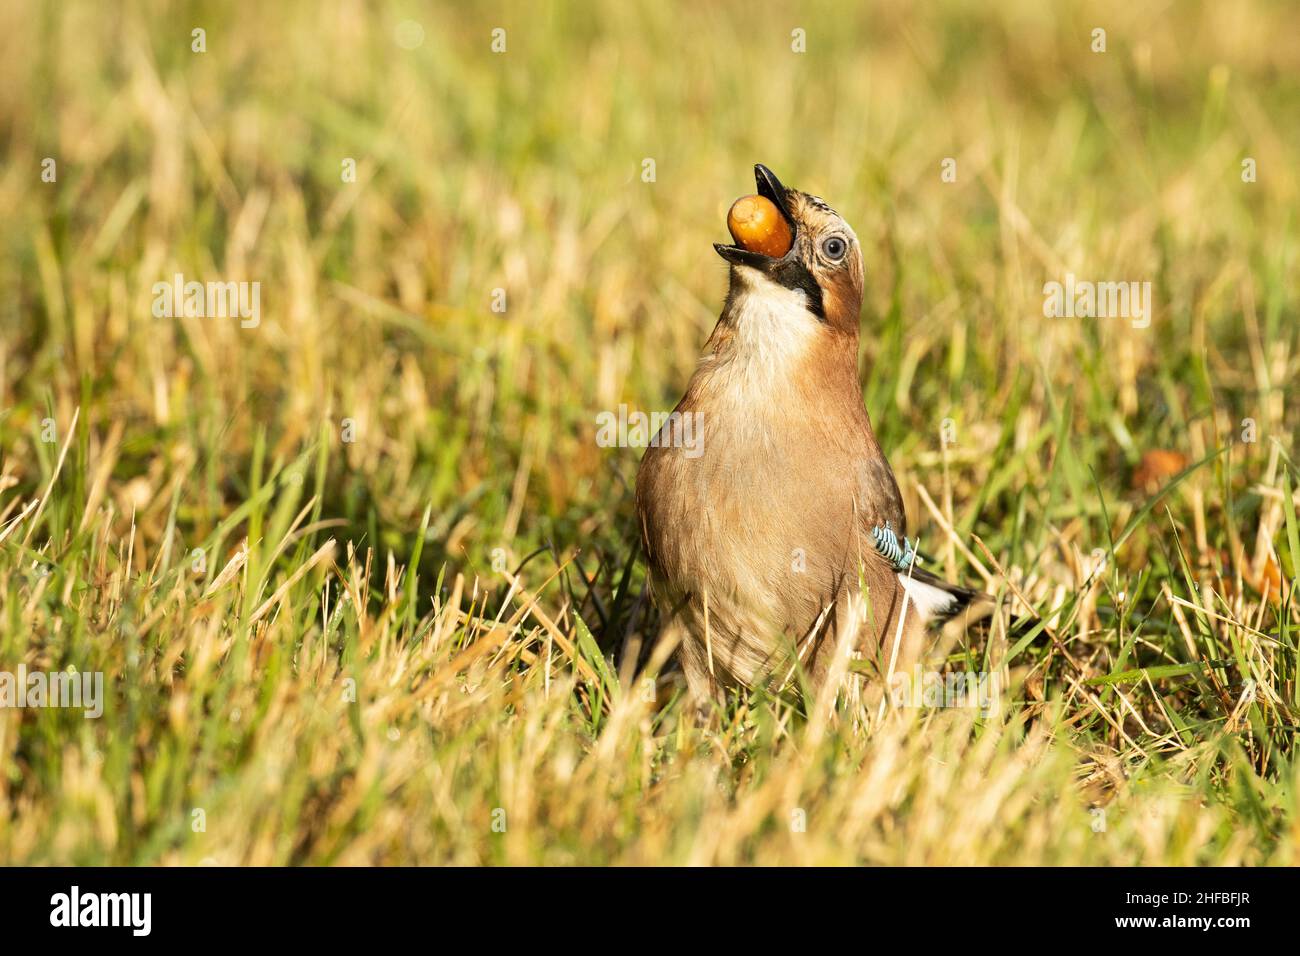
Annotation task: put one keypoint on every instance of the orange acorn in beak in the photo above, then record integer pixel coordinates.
(758, 226)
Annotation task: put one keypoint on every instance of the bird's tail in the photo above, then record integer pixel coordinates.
(941, 602)
(938, 600)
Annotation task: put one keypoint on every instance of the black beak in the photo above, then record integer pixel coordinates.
(769, 187)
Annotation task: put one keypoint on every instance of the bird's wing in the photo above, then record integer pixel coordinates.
(879, 500)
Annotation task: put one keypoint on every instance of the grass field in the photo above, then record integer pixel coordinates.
(362, 586)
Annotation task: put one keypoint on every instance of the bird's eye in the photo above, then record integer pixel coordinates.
(834, 248)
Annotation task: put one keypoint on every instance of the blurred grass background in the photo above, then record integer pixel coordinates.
(379, 561)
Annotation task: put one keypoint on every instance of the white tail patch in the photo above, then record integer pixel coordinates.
(930, 601)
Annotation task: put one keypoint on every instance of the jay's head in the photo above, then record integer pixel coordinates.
(823, 265)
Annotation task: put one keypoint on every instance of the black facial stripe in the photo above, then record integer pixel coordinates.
(793, 275)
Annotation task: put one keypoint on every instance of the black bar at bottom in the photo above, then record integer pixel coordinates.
(333, 906)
